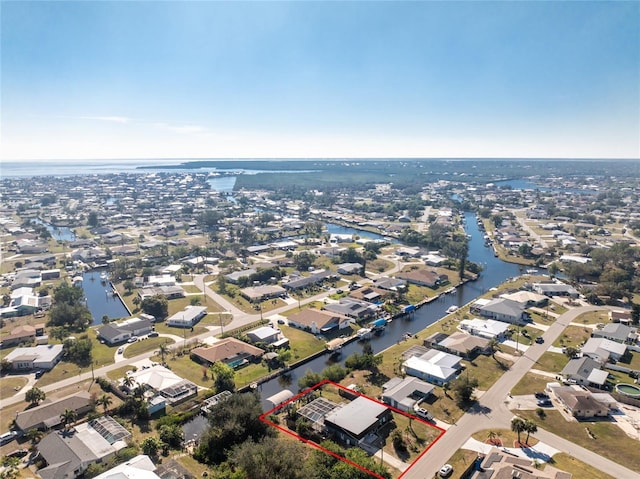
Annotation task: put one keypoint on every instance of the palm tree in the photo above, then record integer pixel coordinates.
(491, 436)
(163, 349)
(68, 417)
(518, 425)
(494, 345)
(128, 382)
(445, 389)
(530, 428)
(34, 435)
(105, 401)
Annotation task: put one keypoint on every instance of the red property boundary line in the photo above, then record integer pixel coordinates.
(264, 419)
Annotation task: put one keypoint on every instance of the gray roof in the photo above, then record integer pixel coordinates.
(49, 414)
(580, 367)
(357, 416)
(399, 389)
(64, 452)
(504, 306)
(109, 332)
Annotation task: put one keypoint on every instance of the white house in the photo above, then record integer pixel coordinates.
(603, 350)
(36, 357)
(434, 366)
(187, 318)
(485, 328)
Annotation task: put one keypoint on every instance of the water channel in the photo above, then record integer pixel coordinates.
(495, 272)
(100, 299)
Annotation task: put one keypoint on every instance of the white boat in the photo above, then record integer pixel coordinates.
(103, 277)
(363, 333)
(452, 309)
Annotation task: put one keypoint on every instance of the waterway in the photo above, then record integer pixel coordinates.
(59, 233)
(100, 301)
(495, 272)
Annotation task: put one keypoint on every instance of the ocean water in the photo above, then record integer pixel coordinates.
(12, 169)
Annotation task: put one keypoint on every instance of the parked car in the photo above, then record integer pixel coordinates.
(424, 414)
(39, 373)
(153, 334)
(7, 437)
(120, 350)
(539, 340)
(18, 453)
(544, 402)
(541, 395)
(446, 470)
(132, 339)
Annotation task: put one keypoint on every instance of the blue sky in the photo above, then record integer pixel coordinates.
(154, 79)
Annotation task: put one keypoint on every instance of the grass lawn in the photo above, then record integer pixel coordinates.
(63, 370)
(144, 345)
(635, 360)
(417, 437)
(573, 336)
(116, 374)
(551, 362)
(191, 289)
(461, 460)
(610, 441)
(184, 367)
(190, 464)
(530, 383)
(579, 469)
(302, 343)
(593, 317)
(164, 328)
(250, 373)
(9, 385)
(486, 370)
(379, 265)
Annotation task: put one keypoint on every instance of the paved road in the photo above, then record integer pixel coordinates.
(528, 229)
(491, 412)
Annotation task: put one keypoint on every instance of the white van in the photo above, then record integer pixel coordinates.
(7, 437)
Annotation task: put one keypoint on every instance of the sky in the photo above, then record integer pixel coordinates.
(325, 79)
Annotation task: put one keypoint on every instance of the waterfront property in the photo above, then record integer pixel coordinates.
(115, 333)
(405, 394)
(353, 422)
(318, 321)
(231, 351)
(502, 309)
(164, 382)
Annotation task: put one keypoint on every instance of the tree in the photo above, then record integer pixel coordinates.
(5, 365)
(35, 396)
(553, 269)
(34, 435)
(163, 349)
(463, 388)
(104, 401)
(68, 417)
(10, 465)
(571, 352)
(105, 319)
(129, 286)
(172, 435)
(518, 426)
(150, 446)
(92, 219)
(156, 306)
(223, 375)
(270, 458)
(232, 422)
(309, 379)
(128, 382)
(530, 427)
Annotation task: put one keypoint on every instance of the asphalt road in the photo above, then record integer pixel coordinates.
(491, 412)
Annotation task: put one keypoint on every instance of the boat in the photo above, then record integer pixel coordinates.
(378, 324)
(452, 309)
(363, 333)
(103, 277)
(450, 291)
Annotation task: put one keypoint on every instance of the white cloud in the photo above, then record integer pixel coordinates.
(113, 119)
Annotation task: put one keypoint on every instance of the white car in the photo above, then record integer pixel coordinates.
(132, 339)
(446, 470)
(120, 350)
(424, 414)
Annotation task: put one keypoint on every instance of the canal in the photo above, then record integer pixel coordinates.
(495, 272)
(100, 300)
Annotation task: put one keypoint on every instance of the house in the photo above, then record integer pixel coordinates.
(165, 383)
(434, 259)
(265, 334)
(405, 394)
(352, 422)
(580, 403)
(231, 351)
(499, 464)
(423, 277)
(458, 343)
(434, 366)
(21, 334)
(114, 333)
(318, 321)
(256, 294)
(299, 282)
(618, 332)
(169, 292)
(139, 467)
(504, 310)
(36, 357)
(353, 308)
(68, 454)
(555, 289)
(484, 328)
(527, 298)
(188, 317)
(47, 416)
(603, 350)
(390, 284)
(350, 268)
(236, 276)
(620, 316)
(585, 371)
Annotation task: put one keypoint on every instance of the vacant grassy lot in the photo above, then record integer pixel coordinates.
(573, 336)
(145, 345)
(551, 362)
(9, 385)
(530, 383)
(301, 343)
(507, 436)
(609, 441)
(593, 317)
(184, 367)
(579, 469)
(118, 373)
(486, 370)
